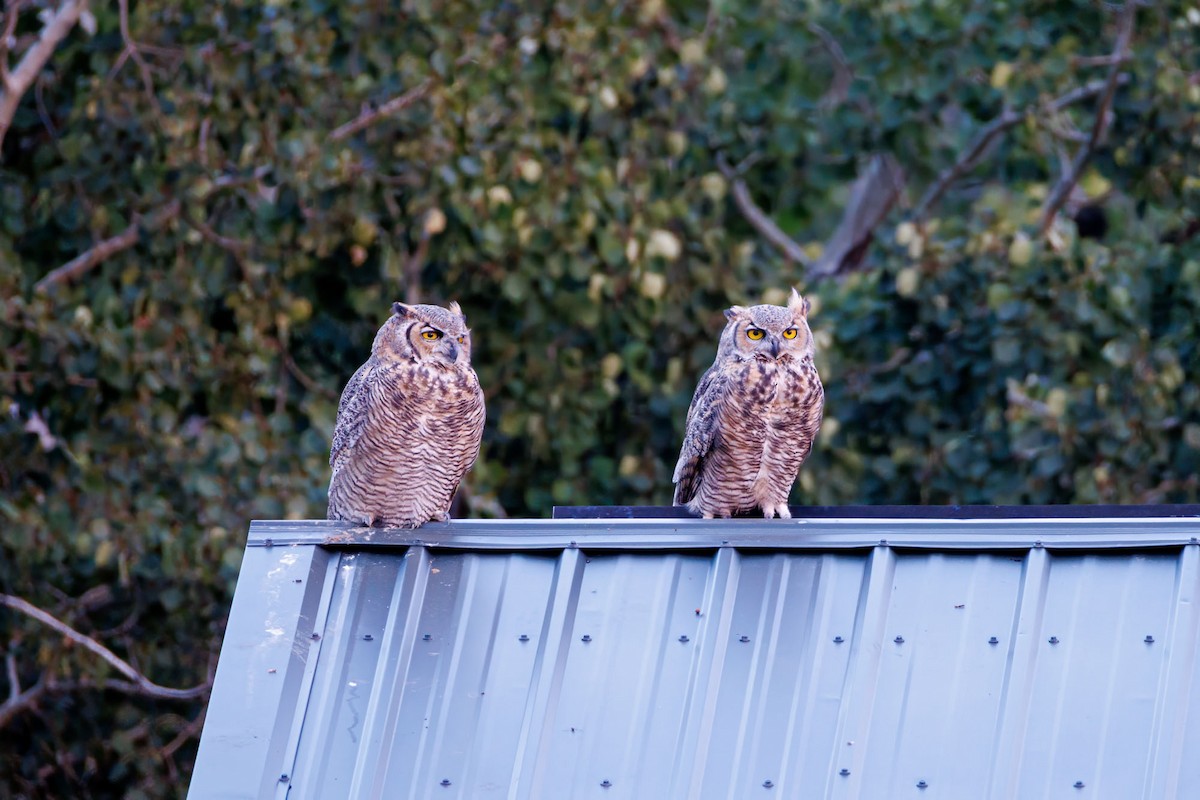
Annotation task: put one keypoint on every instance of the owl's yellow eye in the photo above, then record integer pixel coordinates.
(790, 333)
(755, 333)
(461, 340)
(431, 336)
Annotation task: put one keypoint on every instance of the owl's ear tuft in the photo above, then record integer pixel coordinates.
(797, 304)
(401, 310)
(456, 310)
(734, 311)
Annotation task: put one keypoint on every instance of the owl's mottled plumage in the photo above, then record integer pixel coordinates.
(754, 415)
(409, 422)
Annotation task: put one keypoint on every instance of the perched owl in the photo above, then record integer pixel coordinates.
(754, 415)
(409, 422)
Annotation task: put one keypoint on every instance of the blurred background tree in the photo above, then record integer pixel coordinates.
(207, 209)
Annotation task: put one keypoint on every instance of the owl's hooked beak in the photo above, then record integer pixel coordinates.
(453, 351)
(774, 348)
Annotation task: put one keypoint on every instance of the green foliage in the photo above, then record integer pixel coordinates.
(558, 178)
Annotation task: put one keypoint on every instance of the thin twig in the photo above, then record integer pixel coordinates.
(19, 703)
(394, 106)
(89, 259)
(137, 682)
(190, 731)
(17, 82)
(133, 50)
(839, 88)
(14, 680)
(1058, 195)
(305, 380)
(236, 247)
(758, 219)
(1099, 61)
(990, 132)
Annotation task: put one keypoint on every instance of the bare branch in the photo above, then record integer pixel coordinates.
(14, 681)
(1099, 61)
(236, 247)
(839, 89)
(993, 130)
(19, 703)
(133, 50)
(305, 380)
(190, 731)
(10, 30)
(124, 240)
(19, 80)
(1058, 195)
(137, 682)
(758, 218)
(394, 106)
(371, 116)
(871, 198)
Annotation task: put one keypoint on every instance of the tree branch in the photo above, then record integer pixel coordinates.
(393, 106)
(137, 683)
(17, 82)
(993, 130)
(871, 198)
(1058, 195)
(124, 240)
(132, 50)
(839, 88)
(758, 218)
(10, 29)
(19, 702)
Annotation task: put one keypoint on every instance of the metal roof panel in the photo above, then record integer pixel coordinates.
(726, 659)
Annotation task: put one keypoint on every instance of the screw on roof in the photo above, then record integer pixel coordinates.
(1149, 639)
(767, 784)
(606, 783)
(586, 638)
(523, 638)
(445, 782)
(899, 640)
(843, 772)
(993, 640)
(743, 638)
(1053, 640)
(683, 638)
(838, 640)
(921, 784)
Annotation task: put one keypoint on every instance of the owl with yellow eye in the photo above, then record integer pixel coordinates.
(409, 422)
(754, 415)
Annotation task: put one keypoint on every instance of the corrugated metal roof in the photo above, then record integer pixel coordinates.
(839, 658)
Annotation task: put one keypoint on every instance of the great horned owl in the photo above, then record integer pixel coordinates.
(754, 415)
(409, 422)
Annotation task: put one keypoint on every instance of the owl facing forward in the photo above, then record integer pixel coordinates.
(409, 422)
(754, 416)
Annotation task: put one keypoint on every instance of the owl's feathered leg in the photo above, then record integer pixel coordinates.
(771, 509)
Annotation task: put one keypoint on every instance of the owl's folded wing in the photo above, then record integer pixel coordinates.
(702, 421)
(351, 417)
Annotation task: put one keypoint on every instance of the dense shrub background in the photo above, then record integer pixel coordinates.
(559, 178)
